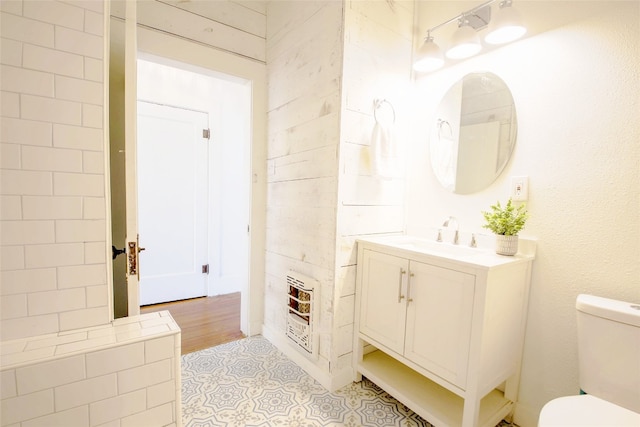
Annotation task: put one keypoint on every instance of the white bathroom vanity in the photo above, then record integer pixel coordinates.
(440, 327)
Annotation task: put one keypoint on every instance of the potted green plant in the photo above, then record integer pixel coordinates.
(506, 222)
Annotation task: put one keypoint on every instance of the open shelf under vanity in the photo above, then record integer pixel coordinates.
(431, 401)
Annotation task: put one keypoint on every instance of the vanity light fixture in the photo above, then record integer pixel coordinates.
(504, 28)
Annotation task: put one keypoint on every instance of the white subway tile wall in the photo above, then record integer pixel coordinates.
(52, 184)
(16, 131)
(9, 104)
(127, 373)
(62, 361)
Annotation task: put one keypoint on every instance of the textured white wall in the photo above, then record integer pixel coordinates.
(577, 93)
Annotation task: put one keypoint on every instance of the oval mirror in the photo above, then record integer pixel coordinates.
(474, 133)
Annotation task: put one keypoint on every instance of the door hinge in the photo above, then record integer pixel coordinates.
(206, 133)
(205, 269)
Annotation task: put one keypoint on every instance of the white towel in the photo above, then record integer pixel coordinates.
(443, 161)
(384, 153)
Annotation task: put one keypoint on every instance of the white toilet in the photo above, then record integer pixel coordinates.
(609, 367)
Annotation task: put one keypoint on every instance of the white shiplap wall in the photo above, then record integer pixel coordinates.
(377, 52)
(234, 26)
(327, 62)
(304, 61)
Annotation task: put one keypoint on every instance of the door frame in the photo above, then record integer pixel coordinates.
(184, 51)
(181, 50)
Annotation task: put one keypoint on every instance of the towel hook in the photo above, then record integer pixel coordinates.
(378, 103)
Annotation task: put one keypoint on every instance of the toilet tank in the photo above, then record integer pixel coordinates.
(609, 349)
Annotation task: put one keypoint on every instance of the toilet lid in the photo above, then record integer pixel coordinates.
(586, 410)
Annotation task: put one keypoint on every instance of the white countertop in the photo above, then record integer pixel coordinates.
(442, 251)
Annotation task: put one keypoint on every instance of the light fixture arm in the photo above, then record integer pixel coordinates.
(460, 16)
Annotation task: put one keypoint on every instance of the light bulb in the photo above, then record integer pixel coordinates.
(429, 57)
(506, 26)
(465, 43)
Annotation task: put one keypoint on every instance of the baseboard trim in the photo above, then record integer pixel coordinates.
(331, 383)
(525, 416)
(342, 378)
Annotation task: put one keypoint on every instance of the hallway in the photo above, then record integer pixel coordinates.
(205, 322)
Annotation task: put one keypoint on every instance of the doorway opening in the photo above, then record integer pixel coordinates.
(194, 134)
(181, 54)
(202, 124)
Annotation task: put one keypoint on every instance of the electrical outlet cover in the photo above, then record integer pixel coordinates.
(519, 188)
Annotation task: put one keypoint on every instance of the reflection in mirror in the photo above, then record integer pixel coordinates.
(473, 134)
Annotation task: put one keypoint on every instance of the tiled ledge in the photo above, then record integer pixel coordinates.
(20, 352)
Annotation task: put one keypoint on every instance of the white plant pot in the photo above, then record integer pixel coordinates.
(506, 245)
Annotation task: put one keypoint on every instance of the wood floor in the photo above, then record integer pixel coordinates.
(205, 321)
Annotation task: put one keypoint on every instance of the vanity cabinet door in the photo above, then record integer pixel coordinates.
(383, 299)
(439, 313)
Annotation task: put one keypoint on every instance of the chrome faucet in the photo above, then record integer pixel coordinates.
(447, 222)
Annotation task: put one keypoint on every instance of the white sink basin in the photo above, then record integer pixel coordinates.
(432, 247)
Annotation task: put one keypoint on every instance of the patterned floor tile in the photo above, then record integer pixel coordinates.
(250, 383)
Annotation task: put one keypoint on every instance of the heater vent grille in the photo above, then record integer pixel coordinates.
(300, 312)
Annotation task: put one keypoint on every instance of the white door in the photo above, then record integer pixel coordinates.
(172, 202)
